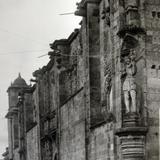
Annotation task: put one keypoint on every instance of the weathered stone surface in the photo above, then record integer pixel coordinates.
(102, 143)
(72, 139)
(32, 144)
(80, 98)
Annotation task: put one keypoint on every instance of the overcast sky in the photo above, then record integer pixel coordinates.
(26, 29)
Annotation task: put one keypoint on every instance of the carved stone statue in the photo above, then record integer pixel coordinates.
(129, 85)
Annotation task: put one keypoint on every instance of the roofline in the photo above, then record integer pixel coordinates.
(67, 41)
(82, 7)
(83, 3)
(17, 87)
(54, 45)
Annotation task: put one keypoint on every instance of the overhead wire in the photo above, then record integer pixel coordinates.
(63, 14)
(22, 36)
(25, 38)
(21, 52)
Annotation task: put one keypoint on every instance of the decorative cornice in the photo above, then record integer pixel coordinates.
(58, 42)
(81, 7)
(64, 42)
(130, 29)
(17, 87)
(12, 111)
(73, 35)
(131, 131)
(83, 3)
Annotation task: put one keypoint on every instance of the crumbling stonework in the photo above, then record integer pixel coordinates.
(98, 97)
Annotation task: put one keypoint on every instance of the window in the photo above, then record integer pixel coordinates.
(153, 67)
(153, 14)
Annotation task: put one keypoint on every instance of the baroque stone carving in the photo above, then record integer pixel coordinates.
(129, 84)
(132, 141)
(107, 86)
(132, 14)
(106, 101)
(107, 83)
(47, 151)
(105, 15)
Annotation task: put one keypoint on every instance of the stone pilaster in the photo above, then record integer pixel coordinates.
(132, 134)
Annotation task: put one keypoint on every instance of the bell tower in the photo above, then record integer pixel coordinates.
(14, 89)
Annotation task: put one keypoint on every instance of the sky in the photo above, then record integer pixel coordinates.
(27, 27)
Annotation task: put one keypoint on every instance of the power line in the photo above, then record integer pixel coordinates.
(63, 14)
(22, 36)
(20, 52)
(65, 55)
(43, 55)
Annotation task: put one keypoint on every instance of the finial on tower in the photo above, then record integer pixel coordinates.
(19, 75)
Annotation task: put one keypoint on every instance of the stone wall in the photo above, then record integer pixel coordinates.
(16, 154)
(102, 145)
(72, 126)
(71, 78)
(32, 144)
(79, 103)
(152, 22)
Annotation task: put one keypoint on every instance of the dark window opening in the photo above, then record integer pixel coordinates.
(153, 14)
(153, 67)
(158, 14)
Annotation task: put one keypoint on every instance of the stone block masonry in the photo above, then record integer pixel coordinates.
(98, 97)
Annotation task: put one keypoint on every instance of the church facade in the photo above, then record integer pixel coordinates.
(98, 97)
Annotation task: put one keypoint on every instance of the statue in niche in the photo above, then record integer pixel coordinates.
(129, 85)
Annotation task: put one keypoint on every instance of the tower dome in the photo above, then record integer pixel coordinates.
(19, 82)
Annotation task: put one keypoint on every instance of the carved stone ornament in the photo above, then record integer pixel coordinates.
(105, 15)
(107, 83)
(129, 42)
(48, 152)
(106, 111)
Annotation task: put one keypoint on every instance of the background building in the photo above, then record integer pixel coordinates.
(98, 97)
